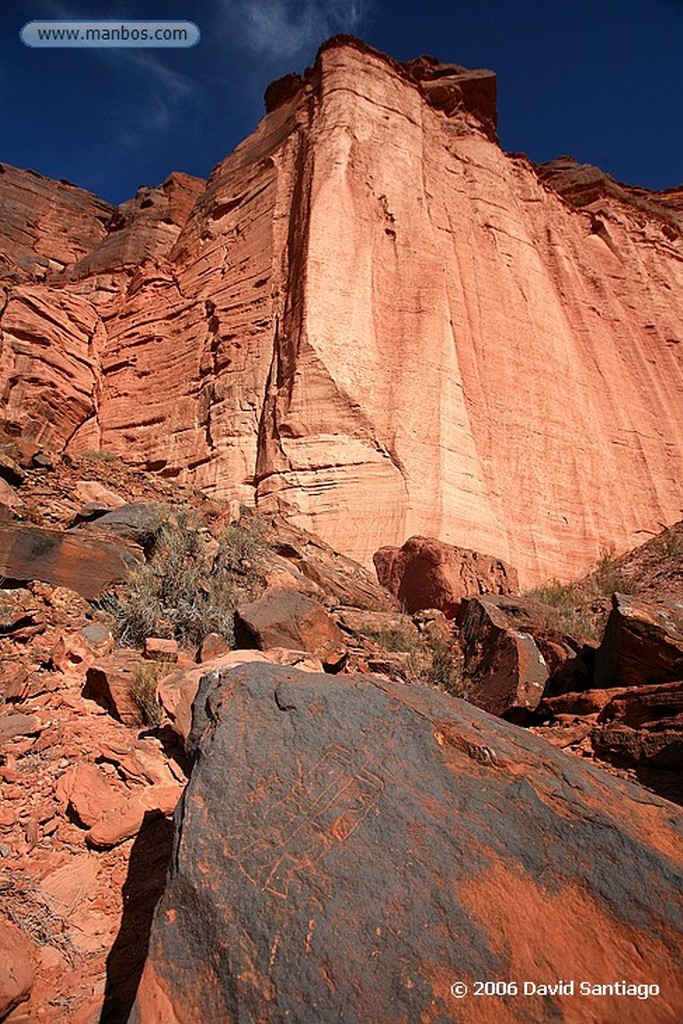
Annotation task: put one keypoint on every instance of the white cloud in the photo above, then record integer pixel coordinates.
(282, 28)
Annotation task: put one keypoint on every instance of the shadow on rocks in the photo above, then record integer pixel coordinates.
(144, 885)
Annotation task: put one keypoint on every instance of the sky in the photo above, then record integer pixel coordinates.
(600, 80)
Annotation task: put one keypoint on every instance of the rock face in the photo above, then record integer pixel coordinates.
(643, 725)
(84, 564)
(643, 644)
(347, 850)
(426, 573)
(369, 316)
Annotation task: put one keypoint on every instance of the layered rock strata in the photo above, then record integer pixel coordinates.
(372, 317)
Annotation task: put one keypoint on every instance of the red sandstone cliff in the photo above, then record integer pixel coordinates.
(372, 315)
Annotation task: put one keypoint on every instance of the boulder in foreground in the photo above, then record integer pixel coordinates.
(348, 848)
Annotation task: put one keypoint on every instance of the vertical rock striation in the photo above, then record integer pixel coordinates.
(371, 316)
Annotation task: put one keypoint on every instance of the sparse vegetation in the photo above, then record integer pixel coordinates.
(579, 609)
(434, 656)
(570, 609)
(608, 575)
(402, 638)
(445, 668)
(191, 583)
(100, 454)
(669, 543)
(143, 690)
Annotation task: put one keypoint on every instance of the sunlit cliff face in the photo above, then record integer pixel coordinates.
(372, 317)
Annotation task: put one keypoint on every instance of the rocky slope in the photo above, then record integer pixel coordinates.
(94, 740)
(372, 317)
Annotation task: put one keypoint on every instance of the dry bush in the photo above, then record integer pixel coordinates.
(143, 690)
(608, 576)
(445, 667)
(435, 657)
(668, 544)
(100, 454)
(177, 594)
(571, 609)
(580, 609)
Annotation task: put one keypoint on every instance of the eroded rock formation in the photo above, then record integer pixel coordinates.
(372, 316)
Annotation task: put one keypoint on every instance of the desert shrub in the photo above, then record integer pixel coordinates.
(608, 576)
(397, 639)
(570, 609)
(435, 657)
(240, 548)
(177, 594)
(100, 455)
(579, 609)
(668, 544)
(445, 666)
(143, 690)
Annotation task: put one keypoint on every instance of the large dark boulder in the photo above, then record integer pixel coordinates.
(509, 655)
(349, 848)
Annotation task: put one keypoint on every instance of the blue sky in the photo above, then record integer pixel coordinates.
(598, 79)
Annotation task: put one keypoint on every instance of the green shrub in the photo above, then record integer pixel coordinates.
(177, 594)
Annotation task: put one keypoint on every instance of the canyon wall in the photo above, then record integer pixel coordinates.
(371, 316)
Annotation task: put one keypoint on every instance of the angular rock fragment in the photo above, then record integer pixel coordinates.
(110, 683)
(507, 663)
(22, 615)
(14, 724)
(11, 471)
(426, 573)
(93, 492)
(643, 643)
(212, 646)
(285, 618)
(127, 818)
(89, 794)
(643, 725)
(17, 971)
(84, 564)
(9, 500)
(158, 648)
(137, 522)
